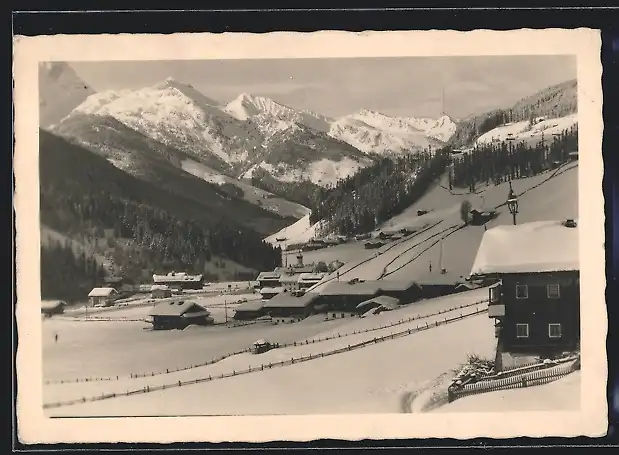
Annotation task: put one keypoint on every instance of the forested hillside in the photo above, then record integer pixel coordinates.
(496, 163)
(81, 192)
(378, 192)
(556, 101)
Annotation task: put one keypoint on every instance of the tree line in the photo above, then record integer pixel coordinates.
(66, 275)
(378, 192)
(499, 162)
(166, 242)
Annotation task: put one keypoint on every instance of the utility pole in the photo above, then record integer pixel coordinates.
(226, 309)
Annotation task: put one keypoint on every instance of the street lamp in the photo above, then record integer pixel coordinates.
(512, 203)
(510, 139)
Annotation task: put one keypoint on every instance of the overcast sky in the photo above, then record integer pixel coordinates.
(410, 86)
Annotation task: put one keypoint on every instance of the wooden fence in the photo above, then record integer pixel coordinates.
(283, 345)
(538, 374)
(263, 367)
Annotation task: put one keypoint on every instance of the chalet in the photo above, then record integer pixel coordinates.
(180, 280)
(536, 305)
(269, 293)
(178, 315)
(160, 291)
(384, 302)
(249, 310)
(307, 280)
(51, 307)
(268, 279)
(288, 308)
(102, 296)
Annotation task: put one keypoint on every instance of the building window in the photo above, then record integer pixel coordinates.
(554, 330)
(522, 330)
(552, 291)
(494, 294)
(522, 291)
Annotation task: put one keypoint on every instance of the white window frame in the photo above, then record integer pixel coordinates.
(522, 325)
(526, 287)
(548, 286)
(560, 330)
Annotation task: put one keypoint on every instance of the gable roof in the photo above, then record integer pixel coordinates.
(290, 301)
(267, 290)
(268, 276)
(312, 276)
(369, 288)
(542, 246)
(254, 305)
(176, 308)
(102, 292)
(290, 278)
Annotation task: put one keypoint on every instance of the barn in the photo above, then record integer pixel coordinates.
(249, 310)
(340, 298)
(178, 315)
(289, 308)
(160, 291)
(102, 296)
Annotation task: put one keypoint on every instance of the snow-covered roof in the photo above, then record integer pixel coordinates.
(159, 287)
(51, 304)
(271, 290)
(268, 276)
(289, 301)
(102, 292)
(177, 308)
(384, 301)
(176, 277)
(542, 246)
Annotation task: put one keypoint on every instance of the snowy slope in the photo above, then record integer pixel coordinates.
(299, 232)
(60, 91)
(270, 114)
(374, 132)
(178, 115)
(523, 131)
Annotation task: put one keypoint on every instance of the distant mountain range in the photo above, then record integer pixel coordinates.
(249, 132)
(252, 139)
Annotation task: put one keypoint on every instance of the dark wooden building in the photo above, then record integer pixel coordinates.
(160, 291)
(436, 284)
(537, 302)
(249, 310)
(338, 298)
(178, 315)
(404, 291)
(289, 308)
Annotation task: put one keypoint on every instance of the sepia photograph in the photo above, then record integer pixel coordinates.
(311, 236)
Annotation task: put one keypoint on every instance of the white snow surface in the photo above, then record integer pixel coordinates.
(379, 133)
(523, 131)
(370, 379)
(560, 395)
(298, 232)
(273, 114)
(541, 246)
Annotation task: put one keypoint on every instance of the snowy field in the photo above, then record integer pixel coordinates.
(560, 395)
(370, 379)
